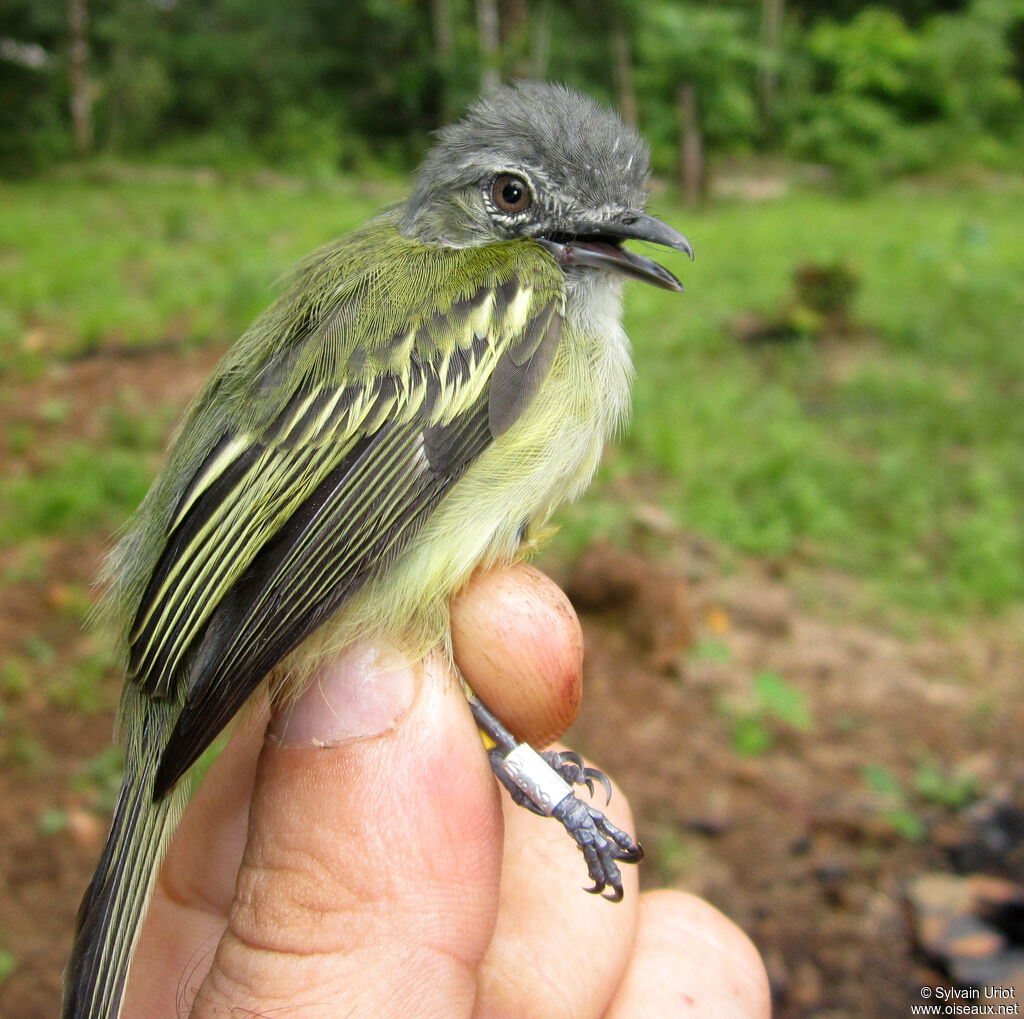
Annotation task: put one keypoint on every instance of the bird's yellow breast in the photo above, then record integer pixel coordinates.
(547, 457)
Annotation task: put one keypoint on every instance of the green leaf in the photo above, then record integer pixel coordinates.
(946, 787)
(8, 964)
(782, 701)
(52, 821)
(750, 736)
(879, 779)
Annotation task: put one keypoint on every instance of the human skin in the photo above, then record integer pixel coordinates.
(356, 857)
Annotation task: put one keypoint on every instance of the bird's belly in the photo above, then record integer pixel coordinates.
(480, 522)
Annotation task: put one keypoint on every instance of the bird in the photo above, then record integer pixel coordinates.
(422, 395)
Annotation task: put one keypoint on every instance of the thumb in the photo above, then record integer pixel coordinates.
(369, 881)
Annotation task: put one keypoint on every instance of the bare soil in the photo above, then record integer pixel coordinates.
(791, 842)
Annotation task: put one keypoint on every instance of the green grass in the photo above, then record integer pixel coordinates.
(895, 455)
(897, 458)
(139, 260)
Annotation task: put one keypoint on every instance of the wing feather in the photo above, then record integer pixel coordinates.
(363, 514)
(276, 524)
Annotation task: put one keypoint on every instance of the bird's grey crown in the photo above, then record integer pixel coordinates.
(583, 164)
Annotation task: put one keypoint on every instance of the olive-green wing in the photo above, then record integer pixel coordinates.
(277, 528)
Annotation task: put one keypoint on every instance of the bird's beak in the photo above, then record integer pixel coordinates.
(599, 246)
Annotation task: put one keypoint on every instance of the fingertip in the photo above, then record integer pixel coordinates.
(691, 960)
(518, 643)
(574, 946)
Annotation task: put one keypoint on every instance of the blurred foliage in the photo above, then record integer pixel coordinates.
(714, 48)
(874, 96)
(894, 804)
(8, 963)
(312, 87)
(774, 703)
(34, 128)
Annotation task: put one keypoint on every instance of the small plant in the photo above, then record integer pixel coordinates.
(81, 686)
(934, 784)
(38, 649)
(52, 821)
(673, 856)
(26, 752)
(7, 965)
(775, 702)
(895, 805)
(707, 649)
(945, 787)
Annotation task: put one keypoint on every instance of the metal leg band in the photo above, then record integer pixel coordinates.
(535, 778)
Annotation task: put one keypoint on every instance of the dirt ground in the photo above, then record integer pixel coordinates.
(809, 857)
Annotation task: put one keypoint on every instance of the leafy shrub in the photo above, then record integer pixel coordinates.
(873, 96)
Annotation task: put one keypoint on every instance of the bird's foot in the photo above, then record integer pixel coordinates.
(543, 783)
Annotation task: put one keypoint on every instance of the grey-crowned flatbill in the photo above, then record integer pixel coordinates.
(424, 393)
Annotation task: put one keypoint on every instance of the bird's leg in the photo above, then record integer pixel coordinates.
(543, 783)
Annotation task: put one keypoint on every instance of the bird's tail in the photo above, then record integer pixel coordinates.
(111, 913)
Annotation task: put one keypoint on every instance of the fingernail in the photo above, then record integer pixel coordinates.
(363, 693)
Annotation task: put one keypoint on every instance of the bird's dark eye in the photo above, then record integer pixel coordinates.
(511, 194)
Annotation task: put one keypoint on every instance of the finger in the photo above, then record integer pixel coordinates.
(689, 960)
(518, 643)
(556, 951)
(369, 882)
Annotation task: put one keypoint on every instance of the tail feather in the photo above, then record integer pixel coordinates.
(110, 916)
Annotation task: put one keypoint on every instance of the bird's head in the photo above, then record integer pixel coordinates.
(542, 161)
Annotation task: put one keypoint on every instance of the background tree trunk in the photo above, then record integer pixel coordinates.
(622, 67)
(78, 79)
(490, 44)
(515, 37)
(444, 49)
(540, 42)
(772, 12)
(691, 147)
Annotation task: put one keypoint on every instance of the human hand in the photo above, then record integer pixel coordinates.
(362, 861)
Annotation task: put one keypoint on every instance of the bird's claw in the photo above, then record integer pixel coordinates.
(602, 843)
(571, 767)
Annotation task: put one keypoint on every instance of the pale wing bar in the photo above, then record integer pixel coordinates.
(332, 545)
